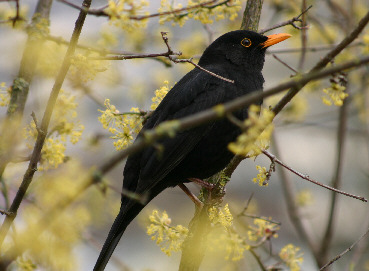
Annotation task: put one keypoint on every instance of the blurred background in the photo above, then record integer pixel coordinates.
(306, 135)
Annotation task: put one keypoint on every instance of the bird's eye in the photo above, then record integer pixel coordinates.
(246, 42)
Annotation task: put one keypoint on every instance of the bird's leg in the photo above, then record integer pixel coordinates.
(190, 195)
(207, 185)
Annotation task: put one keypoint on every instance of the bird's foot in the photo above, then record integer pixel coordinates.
(204, 184)
(195, 199)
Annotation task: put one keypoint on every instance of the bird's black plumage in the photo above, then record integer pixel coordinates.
(200, 152)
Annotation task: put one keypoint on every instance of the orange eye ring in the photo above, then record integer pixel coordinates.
(246, 42)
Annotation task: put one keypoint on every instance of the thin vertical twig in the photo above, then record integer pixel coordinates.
(293, 211)
(36, 154)
(303, 37)
(336, 183)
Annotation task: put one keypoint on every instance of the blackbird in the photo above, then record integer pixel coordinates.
(202, 151)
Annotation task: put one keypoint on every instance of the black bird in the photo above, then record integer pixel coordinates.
(200, 152)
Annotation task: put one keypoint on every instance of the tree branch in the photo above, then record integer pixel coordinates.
(36, 154)
(323, 62)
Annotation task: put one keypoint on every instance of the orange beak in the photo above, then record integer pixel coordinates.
(274, 39)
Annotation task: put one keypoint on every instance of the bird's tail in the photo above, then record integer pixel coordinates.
(115, 233)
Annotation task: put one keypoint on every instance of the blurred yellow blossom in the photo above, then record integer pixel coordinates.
(334, 94)
(200, 10)
(257, 135)
(59, 233)
(169, 238)
(261, 178)
(220, 216)
(4, 94)
(291, 257)
(262, 230)
(64, 124)
(159, 95)
(234, 245)
(121, 13)
(304, 198)
(84, 69)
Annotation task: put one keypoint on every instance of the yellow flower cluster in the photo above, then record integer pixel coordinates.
(83, 69)
(121, 12)
(169, 238)
(64, 125)
(234, 246)
(256, 138)
(203, 13)
(261, 178)
(124, 127)
(159, 95)
(175, 15)
(335, 93)
(291, 257)
(4, 94)
(263, 229)
(220, 217)
(51, 244)
(220, 12)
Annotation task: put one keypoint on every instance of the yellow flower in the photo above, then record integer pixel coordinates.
(291, 257)
(219, 216)
(258, 132)
(261, 178)
(62, 233)
(4, 94)
(168, 238)
(123, 127)
(234, 246)
(335, 93)
(64, 125)
(262, 229)
(159, 95)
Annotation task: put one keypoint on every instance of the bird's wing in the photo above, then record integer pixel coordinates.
(196, 92)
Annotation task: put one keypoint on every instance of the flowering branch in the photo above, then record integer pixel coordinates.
(36, 154)
(101, 11)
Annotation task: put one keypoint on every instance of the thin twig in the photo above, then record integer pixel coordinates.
(289, 22)
(324, 61)
(303, 37)
(336, 183)
(307, 178)
(345, 251)
(317, 48)
(3, 212)
(179, 12)
(165, 38)
(36, 154)
(285, 64)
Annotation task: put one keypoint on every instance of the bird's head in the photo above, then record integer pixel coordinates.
(242, 48)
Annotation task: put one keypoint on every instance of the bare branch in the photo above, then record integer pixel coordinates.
(324, 61)
(36, 154)
(285, 64)
(307, 178)
(345, 251)
(289, 22)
